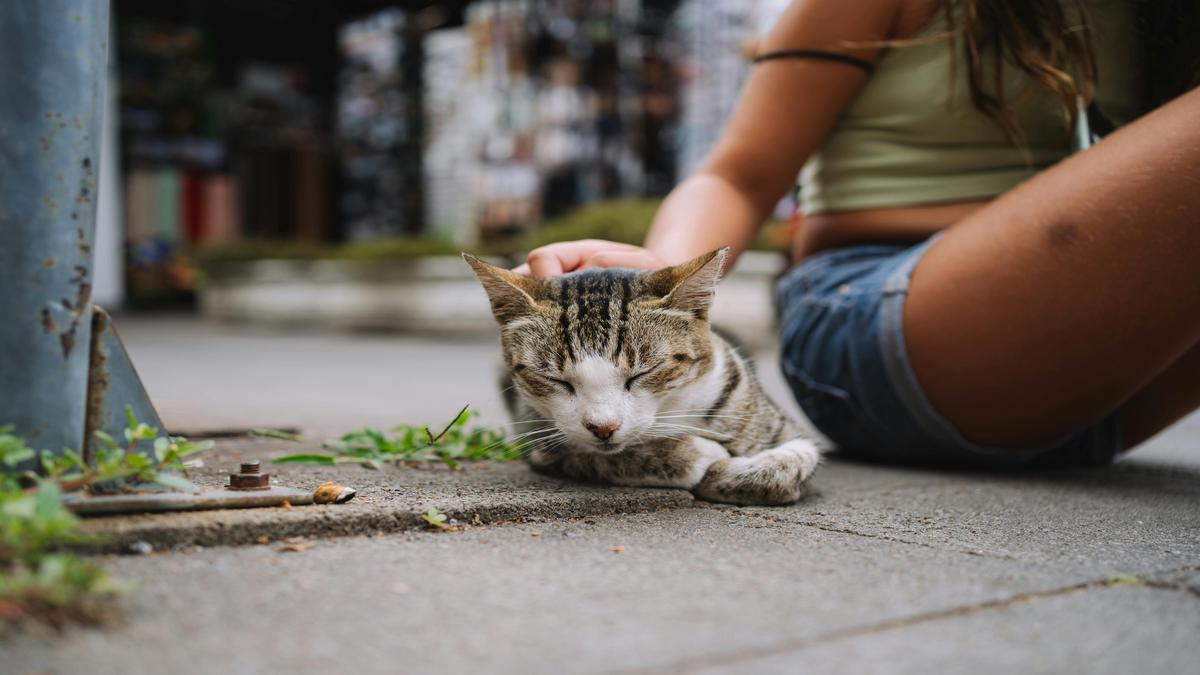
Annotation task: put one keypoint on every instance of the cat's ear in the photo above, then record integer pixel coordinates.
(511, 294)
(690, 286)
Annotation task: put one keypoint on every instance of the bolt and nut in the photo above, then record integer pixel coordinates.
(250, 478)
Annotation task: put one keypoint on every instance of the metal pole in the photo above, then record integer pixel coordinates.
(53, 59)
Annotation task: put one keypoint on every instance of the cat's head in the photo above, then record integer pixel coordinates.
(602, 352)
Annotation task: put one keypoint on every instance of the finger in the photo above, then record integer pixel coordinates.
(638, 259)
(544, 263)
(523, 268)
(568, 256)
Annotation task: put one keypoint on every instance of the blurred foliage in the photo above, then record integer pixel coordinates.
(621, 220)
(627, 221)
(38, 579)
(373, 448)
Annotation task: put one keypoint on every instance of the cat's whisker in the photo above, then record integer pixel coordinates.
(698, 412)
(526, 437)
(685, 429)
(530, 432)
(531, 436)
(541, 444)
(702, 417)
(688, 430)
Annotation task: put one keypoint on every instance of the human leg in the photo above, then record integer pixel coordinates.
(1046, 310)
(1168, 398)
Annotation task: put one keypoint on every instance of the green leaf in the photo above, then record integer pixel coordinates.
(276, 434)
(305, 458)
(141, 432)
(21, 507)
(105, 439)
(184, 447)
(162, 445)
(49, 500)
(15, 457)
(435, 518)
(131, 421)
(175, 482)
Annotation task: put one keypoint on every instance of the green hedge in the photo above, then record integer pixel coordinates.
(623, 220)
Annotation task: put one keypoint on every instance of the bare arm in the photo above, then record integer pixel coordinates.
(786, 110)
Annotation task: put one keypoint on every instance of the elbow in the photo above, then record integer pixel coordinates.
(761, 188)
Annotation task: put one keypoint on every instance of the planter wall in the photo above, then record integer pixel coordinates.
(436, 294)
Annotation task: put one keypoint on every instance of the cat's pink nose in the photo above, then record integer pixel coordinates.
(603, 431)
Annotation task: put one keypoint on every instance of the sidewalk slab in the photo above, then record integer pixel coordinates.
(1132, 518)
(687, 586)
(1115, 630)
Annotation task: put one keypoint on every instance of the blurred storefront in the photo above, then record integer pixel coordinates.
(253, 129)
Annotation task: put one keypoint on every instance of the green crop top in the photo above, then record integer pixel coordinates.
(911, 138)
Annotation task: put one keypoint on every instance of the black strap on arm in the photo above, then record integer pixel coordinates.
(815, 54)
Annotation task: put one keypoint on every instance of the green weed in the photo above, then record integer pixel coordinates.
(39, 578)
(435, 519)
(373, 448)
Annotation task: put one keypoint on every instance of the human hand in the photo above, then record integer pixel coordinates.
(569, 256)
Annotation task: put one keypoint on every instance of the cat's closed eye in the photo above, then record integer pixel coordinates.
(563, 383)
(630, 382)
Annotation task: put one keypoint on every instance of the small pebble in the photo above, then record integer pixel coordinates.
(141, 548)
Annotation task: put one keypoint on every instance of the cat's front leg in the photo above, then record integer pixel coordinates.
(772, 477)
(681, 463)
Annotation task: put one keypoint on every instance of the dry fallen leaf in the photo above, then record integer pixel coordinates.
(262, 539)
(535, 534)
(286, 504)
(618, 549)
(296, 545)
(332, 493)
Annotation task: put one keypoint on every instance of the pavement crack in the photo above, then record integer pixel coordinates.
(744, 655)
(869, 535)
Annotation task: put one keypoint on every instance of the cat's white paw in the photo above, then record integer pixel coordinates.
(806, 452)
(708, 452)
(771, 477)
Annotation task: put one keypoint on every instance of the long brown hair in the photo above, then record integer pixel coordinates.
(1049, 40)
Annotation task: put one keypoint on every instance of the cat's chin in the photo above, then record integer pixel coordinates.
(602, 448)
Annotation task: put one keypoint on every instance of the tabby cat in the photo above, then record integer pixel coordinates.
(620, 379)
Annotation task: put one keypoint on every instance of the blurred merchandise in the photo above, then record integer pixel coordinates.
(451, 157)
(173, 149)
(286, 129)
(378, 128)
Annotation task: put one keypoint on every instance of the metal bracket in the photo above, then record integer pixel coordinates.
(112, 384)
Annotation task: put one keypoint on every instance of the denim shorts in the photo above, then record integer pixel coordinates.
(844, 356)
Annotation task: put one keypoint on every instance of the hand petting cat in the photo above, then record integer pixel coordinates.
(570, 256)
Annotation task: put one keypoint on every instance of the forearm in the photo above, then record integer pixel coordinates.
(703, 213)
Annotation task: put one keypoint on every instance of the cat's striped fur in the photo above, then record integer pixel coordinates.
(616, 376)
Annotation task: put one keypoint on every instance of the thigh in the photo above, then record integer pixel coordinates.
(1168, 398)
(1044, 311)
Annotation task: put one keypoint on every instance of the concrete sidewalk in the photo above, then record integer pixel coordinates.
(878, 569)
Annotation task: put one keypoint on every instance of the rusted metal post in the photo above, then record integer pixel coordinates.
(53, 58)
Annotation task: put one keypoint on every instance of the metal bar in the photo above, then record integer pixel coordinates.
(100, 505)
(53, 59)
